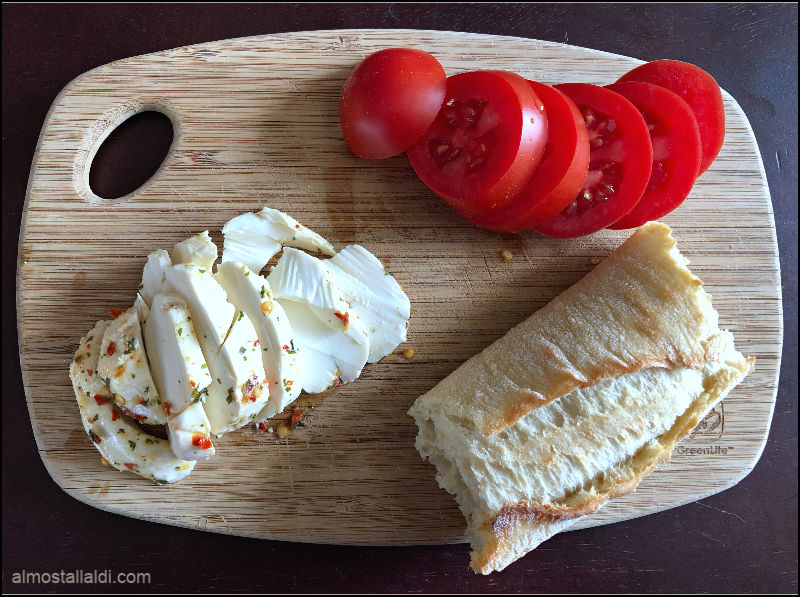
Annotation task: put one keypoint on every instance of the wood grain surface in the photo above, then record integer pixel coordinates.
(256, 123)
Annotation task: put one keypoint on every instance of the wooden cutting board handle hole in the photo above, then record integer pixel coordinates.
(130, 155)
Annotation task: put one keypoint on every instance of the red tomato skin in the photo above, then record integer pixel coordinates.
(633, 151)
(523, 119)
(389, 100)
(698, 89)
(676, 147)
(560, 174)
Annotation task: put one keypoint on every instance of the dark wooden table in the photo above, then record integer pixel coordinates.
(741, 540)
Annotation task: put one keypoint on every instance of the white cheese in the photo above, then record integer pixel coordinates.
(374, 296)
(230, 346)
(118, 438)
(83, 369)
(142, 310)
(251, 294)
(189, 434)
(334, 342)
(254, 238)
(153, 274)
(199, 250)
(123, 363)
(176, 361)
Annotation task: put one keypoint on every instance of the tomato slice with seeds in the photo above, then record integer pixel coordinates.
(698, 89)
(675, 137)
(620, 160)
(485, 142)
(560, 174)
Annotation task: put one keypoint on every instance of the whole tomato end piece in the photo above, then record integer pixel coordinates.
(389, 101)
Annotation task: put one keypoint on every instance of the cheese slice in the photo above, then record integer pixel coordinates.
(374, 296)
(189, 434)
(177, 364)
(123, 363)
(254, 238)
(142, 309)
(334, 341)
(153, 274)
(252, 294)
(199, 250)
(229, 343)
(120, 441)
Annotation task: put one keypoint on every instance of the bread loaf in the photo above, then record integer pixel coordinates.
(575, 405)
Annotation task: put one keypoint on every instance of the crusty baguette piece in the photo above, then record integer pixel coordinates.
(579, 402)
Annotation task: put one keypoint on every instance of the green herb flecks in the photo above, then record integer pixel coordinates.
(197, 395)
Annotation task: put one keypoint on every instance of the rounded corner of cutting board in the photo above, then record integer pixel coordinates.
(382, 504)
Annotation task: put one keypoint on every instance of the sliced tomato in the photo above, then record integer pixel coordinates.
(389, 100)
(560, 174)
(485, 143)
(699, 90)
(620, 160)
(676, 151)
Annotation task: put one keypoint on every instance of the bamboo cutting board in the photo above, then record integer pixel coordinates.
(256, 123)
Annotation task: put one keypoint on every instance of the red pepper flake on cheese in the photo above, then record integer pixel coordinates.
(100, 399)
(132, 414)
(112, 348)
(114, 415)
(115, 312)
(201, 441)
(345, 317)
(250, 387)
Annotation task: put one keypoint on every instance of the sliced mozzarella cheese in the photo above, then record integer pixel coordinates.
(176, 361)
(142, 310)
(334, 344)
(123, 364)
(153, 274)
(119, 440)
(374, 296)
(300, 277)
(212, 314)
(230, 346)
(254, 238)
(83, 369)
(328, 354)
(251, 293)
(199, 250)
(189, 434)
